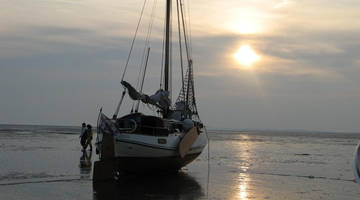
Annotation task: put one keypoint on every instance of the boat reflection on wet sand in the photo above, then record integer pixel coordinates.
(170, 186)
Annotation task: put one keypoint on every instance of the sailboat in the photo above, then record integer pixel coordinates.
(165, 141)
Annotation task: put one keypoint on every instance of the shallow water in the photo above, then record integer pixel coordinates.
(42, 162)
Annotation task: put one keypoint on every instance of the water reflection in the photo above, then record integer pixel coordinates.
(243, 177)
(172, 186)
(242, 188)
(85, 165)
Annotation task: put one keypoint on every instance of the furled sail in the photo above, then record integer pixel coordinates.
(159, 99)
(134, 95)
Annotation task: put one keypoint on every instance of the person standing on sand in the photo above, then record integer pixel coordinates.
(89, 136)
(83, 136)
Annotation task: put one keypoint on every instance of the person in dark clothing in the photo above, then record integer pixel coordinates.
(89, 136)
(83, 136)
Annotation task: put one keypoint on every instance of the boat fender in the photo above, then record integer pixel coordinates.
(135, 125)
(200, 125)
(188, 124)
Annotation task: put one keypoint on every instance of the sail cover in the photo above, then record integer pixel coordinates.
(160, 98)
(134, 95)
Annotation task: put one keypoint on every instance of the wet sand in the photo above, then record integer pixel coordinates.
(46, 163)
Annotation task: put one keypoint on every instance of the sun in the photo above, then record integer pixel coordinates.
(246, 56)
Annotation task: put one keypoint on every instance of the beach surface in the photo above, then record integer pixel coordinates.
(46, 162)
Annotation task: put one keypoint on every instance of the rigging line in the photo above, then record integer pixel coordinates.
(138, 81)
(133, 41)
(192, 86)
(145, 54)
(187, 107)
(149, 31)
(120, 102)
(180, 46)
(153, 15)
(144, 73)
(147, 43)
(140, 70)
(184, 32)
(143, 78)
(186, 10)
(189, 26)
(188, 59)
(132, 107)
(170, 58)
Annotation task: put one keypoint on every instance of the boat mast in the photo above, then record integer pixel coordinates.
(167, 45)
(167, 52)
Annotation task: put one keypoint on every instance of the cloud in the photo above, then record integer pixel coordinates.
(307, 55)
(282, 4)
(287, 67)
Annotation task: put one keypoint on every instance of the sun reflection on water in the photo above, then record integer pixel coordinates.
(243, 178)
(242, 188)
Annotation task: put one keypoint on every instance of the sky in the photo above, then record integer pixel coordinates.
(261, 64)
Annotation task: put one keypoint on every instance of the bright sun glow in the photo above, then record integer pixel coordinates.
(246, 56)
(246, 27)
(245, 21)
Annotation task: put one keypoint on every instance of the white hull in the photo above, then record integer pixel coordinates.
(144, 146)
(136, 152)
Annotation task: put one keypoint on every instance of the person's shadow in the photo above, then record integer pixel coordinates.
(171, 186)
(85, 165)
